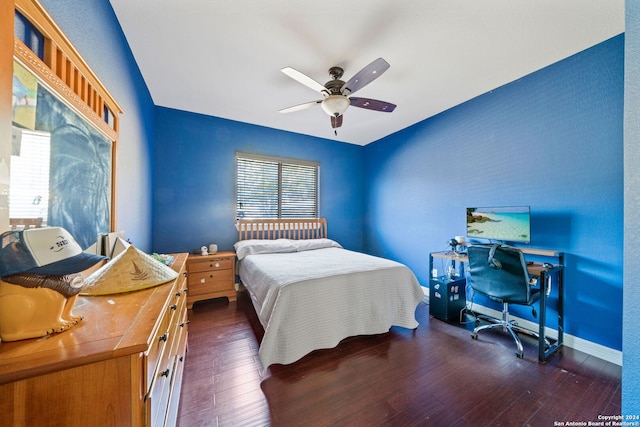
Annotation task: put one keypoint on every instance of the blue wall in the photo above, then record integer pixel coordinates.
(631, 308)
(551, 140)
(194, 190)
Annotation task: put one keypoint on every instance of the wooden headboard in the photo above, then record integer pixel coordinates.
(271, 228)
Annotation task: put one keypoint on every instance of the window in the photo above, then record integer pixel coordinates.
(29, 174)
(272, 187)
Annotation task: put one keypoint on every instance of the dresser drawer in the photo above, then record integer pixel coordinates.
(158, 347)
(174, 395)
(178, 326)
(169, 346)
(158, 399)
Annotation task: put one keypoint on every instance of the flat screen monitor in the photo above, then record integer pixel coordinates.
(504, 223)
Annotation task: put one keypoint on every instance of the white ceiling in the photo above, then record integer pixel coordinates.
(223, 58)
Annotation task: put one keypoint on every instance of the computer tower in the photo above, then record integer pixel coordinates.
(447, 298)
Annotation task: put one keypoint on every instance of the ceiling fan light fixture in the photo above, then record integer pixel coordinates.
(335, 105)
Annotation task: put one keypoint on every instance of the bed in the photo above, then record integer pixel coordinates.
(310, 293)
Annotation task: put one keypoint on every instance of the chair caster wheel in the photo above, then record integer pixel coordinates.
(474, 337)
(520, 355)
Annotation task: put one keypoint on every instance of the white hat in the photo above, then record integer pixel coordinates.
(45, 251)
(131, 270)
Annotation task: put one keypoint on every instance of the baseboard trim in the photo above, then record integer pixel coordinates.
(597, 350)
(571, 341)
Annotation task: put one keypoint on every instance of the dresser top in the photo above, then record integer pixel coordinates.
(113, 326)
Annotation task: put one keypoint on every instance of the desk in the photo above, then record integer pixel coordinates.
(547, 276)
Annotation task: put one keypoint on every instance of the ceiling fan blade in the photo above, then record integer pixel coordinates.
(304, 79)
(336, 122)
(299, 107)
(373, 104)
(365, 76)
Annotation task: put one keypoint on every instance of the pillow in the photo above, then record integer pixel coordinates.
(311, 244)
(257, 246)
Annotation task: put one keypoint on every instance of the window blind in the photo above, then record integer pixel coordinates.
(29, 175)
(270, 187)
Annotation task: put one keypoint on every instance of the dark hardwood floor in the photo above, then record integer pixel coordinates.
(436, 375)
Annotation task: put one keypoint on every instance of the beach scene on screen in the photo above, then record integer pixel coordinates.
(510, 224)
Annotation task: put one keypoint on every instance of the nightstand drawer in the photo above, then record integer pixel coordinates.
(211, 279)
(196, 266)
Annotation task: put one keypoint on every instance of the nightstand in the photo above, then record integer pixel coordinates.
(211, 276)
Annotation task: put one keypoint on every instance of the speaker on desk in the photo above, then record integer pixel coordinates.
(447, 297)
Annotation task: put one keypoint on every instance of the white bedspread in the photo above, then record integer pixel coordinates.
(314, 299)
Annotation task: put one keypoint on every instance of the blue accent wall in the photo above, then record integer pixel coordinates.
(552, 140)
(194, 190)
(631, 307)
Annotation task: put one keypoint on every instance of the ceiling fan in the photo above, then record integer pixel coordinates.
(336, 92)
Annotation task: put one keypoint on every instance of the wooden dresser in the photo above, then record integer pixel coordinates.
(121, 366)
(211, 276)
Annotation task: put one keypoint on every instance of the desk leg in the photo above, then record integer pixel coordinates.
(542, 319)
(559, 276)
(546, 354)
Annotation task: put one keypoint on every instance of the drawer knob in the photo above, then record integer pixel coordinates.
(217, 264)
(202, 280)
(174, 307)
(183, 324)
(165, 373)
(164, 337)
(178, 294)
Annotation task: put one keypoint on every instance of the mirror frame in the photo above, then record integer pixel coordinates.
(62, 71)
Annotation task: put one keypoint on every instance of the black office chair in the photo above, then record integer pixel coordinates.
(500, 273)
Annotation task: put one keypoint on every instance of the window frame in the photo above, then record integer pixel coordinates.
(279, 162)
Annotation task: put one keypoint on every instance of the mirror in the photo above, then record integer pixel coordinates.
(59, 168)
(60, 165)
